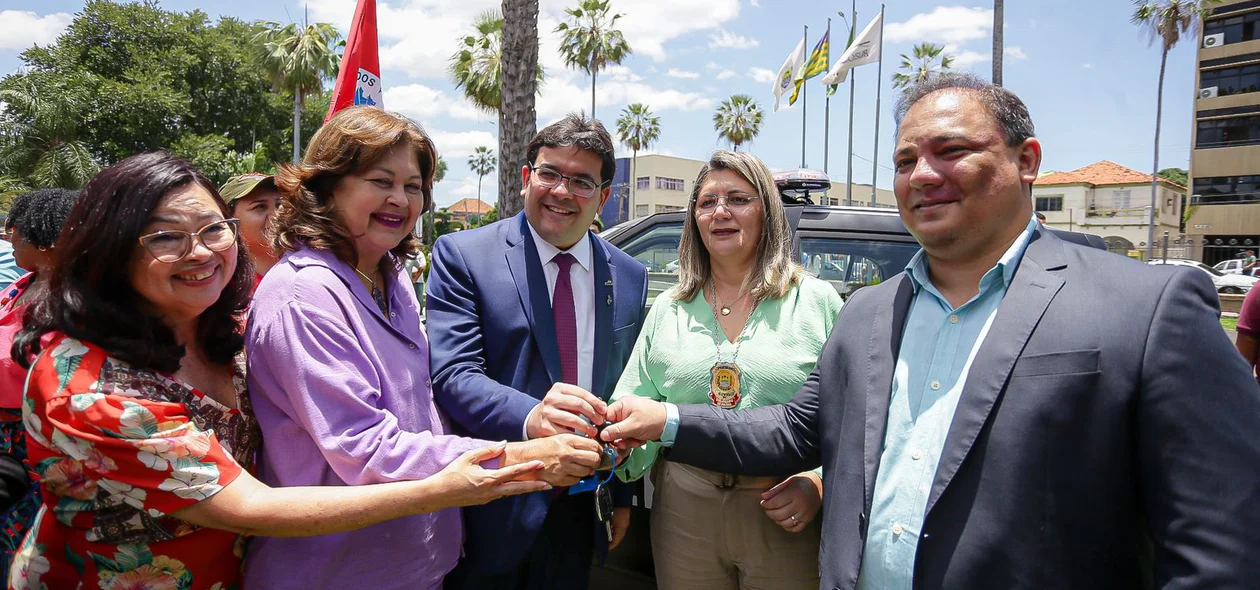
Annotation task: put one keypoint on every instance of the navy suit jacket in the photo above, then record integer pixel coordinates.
(494, 356)
(1106, 437)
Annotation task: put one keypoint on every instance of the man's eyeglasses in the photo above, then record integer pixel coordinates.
(173, 245)
(707, 204)
(577, 186)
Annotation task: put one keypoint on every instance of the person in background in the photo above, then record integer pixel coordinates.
(1249, 262)
(339, 361)
(415, 271)
(253, 199)
(1041, 217)
(597, 225)
(533, 318)
(742, 329)
(9, 269)
(137, 417)
(34, 232)
(1248, 339)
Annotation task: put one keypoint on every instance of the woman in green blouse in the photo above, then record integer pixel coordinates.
(742, 329)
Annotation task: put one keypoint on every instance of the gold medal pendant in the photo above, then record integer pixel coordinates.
(724, 385)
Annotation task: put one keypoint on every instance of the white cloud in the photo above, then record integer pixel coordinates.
(457, 145)
(724, 39)
(945, 24)
(22, 29)
(1087, 66)
(566, 94)
(711, 66)
(424, 104)
(762, 75)
(963, 59)
(677, 73)
(1015, 54)
(724, 74)
(755, 3)
(451, 190)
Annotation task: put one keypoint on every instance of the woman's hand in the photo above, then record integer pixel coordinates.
(470, 484)
(794, 503)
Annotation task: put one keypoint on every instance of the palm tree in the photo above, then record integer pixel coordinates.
(40, 135)
(1165, 21)
(738, 120)
(638, 129)
(921, 64)
(298, 60)
(517, 119)
(998, 7)
(477, 66)
(481, 163)
(591, 43)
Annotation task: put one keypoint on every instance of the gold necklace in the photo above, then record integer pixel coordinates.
(378, 295)
(724, 309)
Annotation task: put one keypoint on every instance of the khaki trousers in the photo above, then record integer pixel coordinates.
(709, 532)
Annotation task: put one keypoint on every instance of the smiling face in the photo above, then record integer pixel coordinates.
(558, 216)
(959, 186)
(380, 203)
(730, 232)
(180, 291)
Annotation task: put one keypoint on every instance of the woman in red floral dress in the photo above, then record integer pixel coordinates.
(138, 422)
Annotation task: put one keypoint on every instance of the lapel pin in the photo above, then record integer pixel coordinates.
(608, 283)
(610, 300)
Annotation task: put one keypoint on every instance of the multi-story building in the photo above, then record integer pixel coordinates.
(664, 183)
(1224, 215)
(1111, 201)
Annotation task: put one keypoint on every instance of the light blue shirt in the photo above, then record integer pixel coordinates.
(938, 346)
(9, 269)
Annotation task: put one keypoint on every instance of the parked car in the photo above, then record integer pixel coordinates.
(1230, 267)
(1225, 283)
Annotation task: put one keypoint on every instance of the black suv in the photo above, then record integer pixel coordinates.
(849, 247)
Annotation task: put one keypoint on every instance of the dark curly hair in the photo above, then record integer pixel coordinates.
(91, 297)
(354, 139)
(41, 213)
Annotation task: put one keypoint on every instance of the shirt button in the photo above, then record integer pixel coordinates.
(393, 315)
(936, 385)
(428, 383)
(411, 346)
(916, 455)
(953, 319)
(897, 530)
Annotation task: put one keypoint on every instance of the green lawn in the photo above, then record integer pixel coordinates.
(1229, 323)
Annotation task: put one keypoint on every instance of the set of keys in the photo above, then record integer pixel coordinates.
(603, 491)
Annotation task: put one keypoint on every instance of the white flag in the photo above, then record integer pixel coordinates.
(864, 50)
(787, 74)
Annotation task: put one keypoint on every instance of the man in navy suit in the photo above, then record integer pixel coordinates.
(531, 321)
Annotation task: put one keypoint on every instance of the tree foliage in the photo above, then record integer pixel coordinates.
(738, 120)
(591, 41)
(922, 64)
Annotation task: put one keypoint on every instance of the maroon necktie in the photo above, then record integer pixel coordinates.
(566, 319)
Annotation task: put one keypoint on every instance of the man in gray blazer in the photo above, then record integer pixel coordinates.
(1013, 411)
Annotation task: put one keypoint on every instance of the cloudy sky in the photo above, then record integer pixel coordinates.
(1088, 76)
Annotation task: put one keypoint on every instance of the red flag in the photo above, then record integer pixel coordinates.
(359, 79)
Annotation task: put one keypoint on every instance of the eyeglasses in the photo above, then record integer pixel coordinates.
(173, 245)
(576, 185)
(707, 204)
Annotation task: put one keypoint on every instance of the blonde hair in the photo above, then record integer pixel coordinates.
(773, 271)
(354, 139)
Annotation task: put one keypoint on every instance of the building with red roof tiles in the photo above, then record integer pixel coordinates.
(1111, 201)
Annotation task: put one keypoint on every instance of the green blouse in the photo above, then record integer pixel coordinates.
(676, 350)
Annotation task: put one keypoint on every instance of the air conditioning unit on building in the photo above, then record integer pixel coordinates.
(1214, 40)
(1209, 92)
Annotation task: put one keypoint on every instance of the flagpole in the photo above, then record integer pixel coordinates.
(848, 189)
(827, 112)
(804, 96)
(879, 85)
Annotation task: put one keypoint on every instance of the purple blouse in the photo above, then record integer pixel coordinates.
(343, 397)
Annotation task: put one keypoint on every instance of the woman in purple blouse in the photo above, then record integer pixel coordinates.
(339, 362)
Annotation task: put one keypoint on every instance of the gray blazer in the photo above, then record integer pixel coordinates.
(1108, 435)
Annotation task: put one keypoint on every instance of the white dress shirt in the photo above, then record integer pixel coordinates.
(582, 279)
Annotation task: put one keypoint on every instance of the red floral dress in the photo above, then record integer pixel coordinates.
(117, 450)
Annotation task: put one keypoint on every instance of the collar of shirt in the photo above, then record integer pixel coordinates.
(307, 256)
(581, 251)
(917, 268)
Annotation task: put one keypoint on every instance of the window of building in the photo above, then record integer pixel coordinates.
(668, 208)
(1218, 190)
(1236, 29)
(1051, 203)
(1120, 198)
(669, 184)
(1236, 80)
(641, 210)
(1230, 131)
(643, 182)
